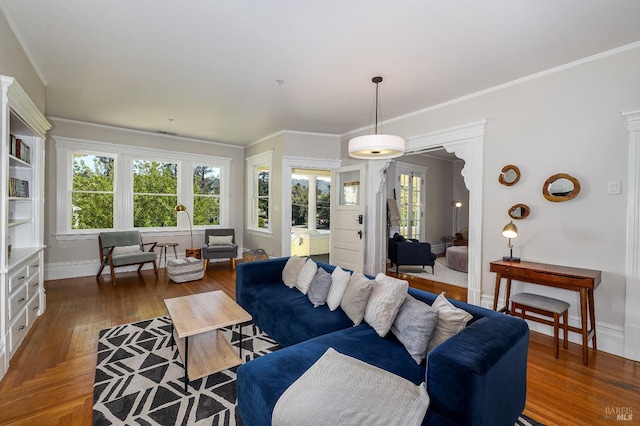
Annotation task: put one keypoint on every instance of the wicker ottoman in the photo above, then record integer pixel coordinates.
(257, 254)
(187, 269)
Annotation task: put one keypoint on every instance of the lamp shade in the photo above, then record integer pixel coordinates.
(180, 208)
(510, 230)
(376, 147)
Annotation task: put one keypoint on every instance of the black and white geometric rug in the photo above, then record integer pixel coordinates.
(140, 379)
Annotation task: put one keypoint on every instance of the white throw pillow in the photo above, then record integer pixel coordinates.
(292, 269)
(387, 296)
(306, 275)
(216, 240)
(126, 249)
(451, 320)
(339, 280)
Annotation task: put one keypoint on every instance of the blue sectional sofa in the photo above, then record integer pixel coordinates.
(477, 377)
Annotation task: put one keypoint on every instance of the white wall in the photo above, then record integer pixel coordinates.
(79, 257)
(563, 121)
(15, 63)
(286, 144)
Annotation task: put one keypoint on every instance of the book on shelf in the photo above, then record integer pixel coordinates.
(19, 149)
(18, 188)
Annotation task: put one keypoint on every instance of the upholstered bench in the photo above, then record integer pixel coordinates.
(187, 269)
(543, 305)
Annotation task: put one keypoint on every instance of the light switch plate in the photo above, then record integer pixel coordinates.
(615, 187)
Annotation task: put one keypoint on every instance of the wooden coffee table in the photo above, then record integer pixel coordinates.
(196, 320)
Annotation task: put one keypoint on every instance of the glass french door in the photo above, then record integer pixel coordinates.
(410, 192)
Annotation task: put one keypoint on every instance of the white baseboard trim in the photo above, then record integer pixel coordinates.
(438, 248)
(87, 268)
(610, 337)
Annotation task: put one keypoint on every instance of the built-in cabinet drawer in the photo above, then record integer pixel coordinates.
(17, 331)
(33, 285)
(33, 268)
(17, 301)
(32, 309)
(17, 279)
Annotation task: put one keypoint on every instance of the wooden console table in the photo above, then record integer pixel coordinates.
(583, 281)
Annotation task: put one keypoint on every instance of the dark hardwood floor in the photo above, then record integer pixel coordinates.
(50, 380)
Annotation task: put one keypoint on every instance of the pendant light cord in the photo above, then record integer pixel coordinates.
(376, 105)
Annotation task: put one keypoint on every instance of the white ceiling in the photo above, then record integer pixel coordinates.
(213, 66)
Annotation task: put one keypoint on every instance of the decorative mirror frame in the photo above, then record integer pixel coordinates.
(505, 169)
(559, 198)
(527, 211)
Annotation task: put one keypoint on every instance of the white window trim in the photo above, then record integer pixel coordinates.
(123, 219)
(253, 163)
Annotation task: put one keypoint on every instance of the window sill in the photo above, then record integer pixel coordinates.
(93, 234)
(260, 233)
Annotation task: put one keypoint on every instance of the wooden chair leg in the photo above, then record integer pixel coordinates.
(565, 324)
(102, 265)
(556, 326)
(113, 275)
(206, 264)
(155, 266)
(233, 263)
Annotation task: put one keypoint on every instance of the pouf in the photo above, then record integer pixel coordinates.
(458, 258)
(187, 269)
(257, 254)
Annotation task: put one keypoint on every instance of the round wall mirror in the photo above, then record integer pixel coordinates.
(519, 211)
(561, 187)
(510, 175)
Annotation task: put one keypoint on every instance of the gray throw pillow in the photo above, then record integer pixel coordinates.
(414, 326)
(319, 288)
(356, 296)
(292, 269)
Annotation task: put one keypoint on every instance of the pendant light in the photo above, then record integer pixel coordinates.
(376, 147)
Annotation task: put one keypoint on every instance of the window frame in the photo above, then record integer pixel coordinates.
(124, 155)
(253, 164)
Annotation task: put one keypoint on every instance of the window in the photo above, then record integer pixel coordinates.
(105, 186)
(92, 192)
(155, 194)
(259, 202)
(206, 195)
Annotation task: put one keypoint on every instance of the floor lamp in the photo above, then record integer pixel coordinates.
(457, 205)
(181, 208)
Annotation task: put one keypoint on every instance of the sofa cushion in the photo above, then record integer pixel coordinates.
(451, 320)
(292, 269)
(261, 382)
(414, 326)
(356, 296)
(339, 280)
(387, 295)
(220, 239)
(305, 276)
(319, 288)
(288, 316)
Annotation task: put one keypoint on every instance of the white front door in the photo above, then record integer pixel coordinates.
(347, 217)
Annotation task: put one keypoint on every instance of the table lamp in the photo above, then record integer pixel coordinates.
(510, 231)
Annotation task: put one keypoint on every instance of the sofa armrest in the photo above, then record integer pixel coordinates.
(258, 273)
(479, 376)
